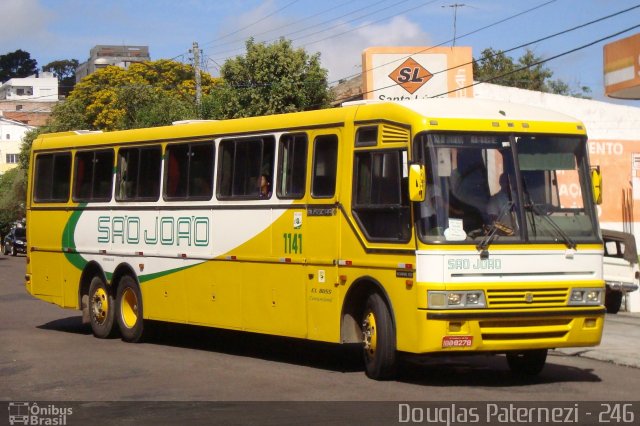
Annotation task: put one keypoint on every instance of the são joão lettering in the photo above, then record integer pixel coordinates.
(166, 230)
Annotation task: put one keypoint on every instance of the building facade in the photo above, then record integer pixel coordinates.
(29, 100)
(11, 134)
(102, 56)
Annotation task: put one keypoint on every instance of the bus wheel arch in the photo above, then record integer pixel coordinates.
(367, 318)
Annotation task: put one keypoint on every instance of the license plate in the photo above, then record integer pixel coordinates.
(457, 341)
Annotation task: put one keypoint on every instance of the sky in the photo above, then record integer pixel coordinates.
(339, 30)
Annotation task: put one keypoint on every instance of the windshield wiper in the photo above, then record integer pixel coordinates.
(493, 230)
(568, 241)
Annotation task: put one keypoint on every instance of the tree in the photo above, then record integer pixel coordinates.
(527, 73)
(65, 71)
(17, 64)
(114, 98)
(269, 79)
(12, 198)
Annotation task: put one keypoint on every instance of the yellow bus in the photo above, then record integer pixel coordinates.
(419, 227)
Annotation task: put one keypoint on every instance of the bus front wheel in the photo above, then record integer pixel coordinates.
(101, 309)
(379, 339)
(527, 363)
(129, 310)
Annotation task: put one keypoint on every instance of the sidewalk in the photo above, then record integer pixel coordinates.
(620, 341)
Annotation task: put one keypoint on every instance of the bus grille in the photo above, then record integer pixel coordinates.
(524, 329)
(527, 298)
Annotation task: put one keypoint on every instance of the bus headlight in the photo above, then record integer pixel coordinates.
(455, 299)
(586, 296)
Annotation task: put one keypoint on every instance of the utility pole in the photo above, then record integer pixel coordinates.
(455, 7)
(196, 68)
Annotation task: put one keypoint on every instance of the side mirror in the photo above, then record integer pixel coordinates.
(596, 183)
(417, 182)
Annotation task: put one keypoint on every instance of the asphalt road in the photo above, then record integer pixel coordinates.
(47, 354)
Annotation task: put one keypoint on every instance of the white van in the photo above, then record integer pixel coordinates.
(620, 267)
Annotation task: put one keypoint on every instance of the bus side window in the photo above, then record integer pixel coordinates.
(244, 166)
(292, 167)
(52, 177)
(93, 176)
(189, 171)
(176, 171)
(138, 174)
(325, 165)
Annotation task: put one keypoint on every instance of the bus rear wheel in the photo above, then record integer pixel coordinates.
(527, 363)
(379, 340)
(101, 309)
(129, 310)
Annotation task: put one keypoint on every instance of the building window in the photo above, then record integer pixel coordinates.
(8, 136)
(18, 107)
(24, 91)
(12, 158)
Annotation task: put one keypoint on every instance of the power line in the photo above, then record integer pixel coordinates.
(369, 6)
(245, 27)
(477, 30)
(253, 23)
(542, 61)
(336, 25)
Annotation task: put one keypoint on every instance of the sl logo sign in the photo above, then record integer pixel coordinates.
(410, 75)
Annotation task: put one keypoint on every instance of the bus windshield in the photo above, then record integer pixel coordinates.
(509, 187)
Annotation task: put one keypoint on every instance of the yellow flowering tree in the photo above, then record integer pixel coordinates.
(146, 94)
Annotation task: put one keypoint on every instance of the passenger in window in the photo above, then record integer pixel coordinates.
(265, 187)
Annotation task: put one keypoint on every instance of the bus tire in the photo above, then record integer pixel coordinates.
(527, 363)
(129, 310)
(613, 301)
(101, 309)
(379, 340)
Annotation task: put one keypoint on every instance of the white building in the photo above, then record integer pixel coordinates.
(43, 88)
(11, 135)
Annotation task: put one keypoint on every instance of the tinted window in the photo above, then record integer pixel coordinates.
(139, 174)
(325, 163)
(246, 168)
(381, 205)
(189, 171)
(367, 136)
(292, 168)
(52, 177)
(93, 176)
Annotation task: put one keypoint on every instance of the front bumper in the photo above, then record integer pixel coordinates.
(621, 286)
(508, 330)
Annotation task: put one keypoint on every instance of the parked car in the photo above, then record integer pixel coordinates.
(620, 267)
(15, 241)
